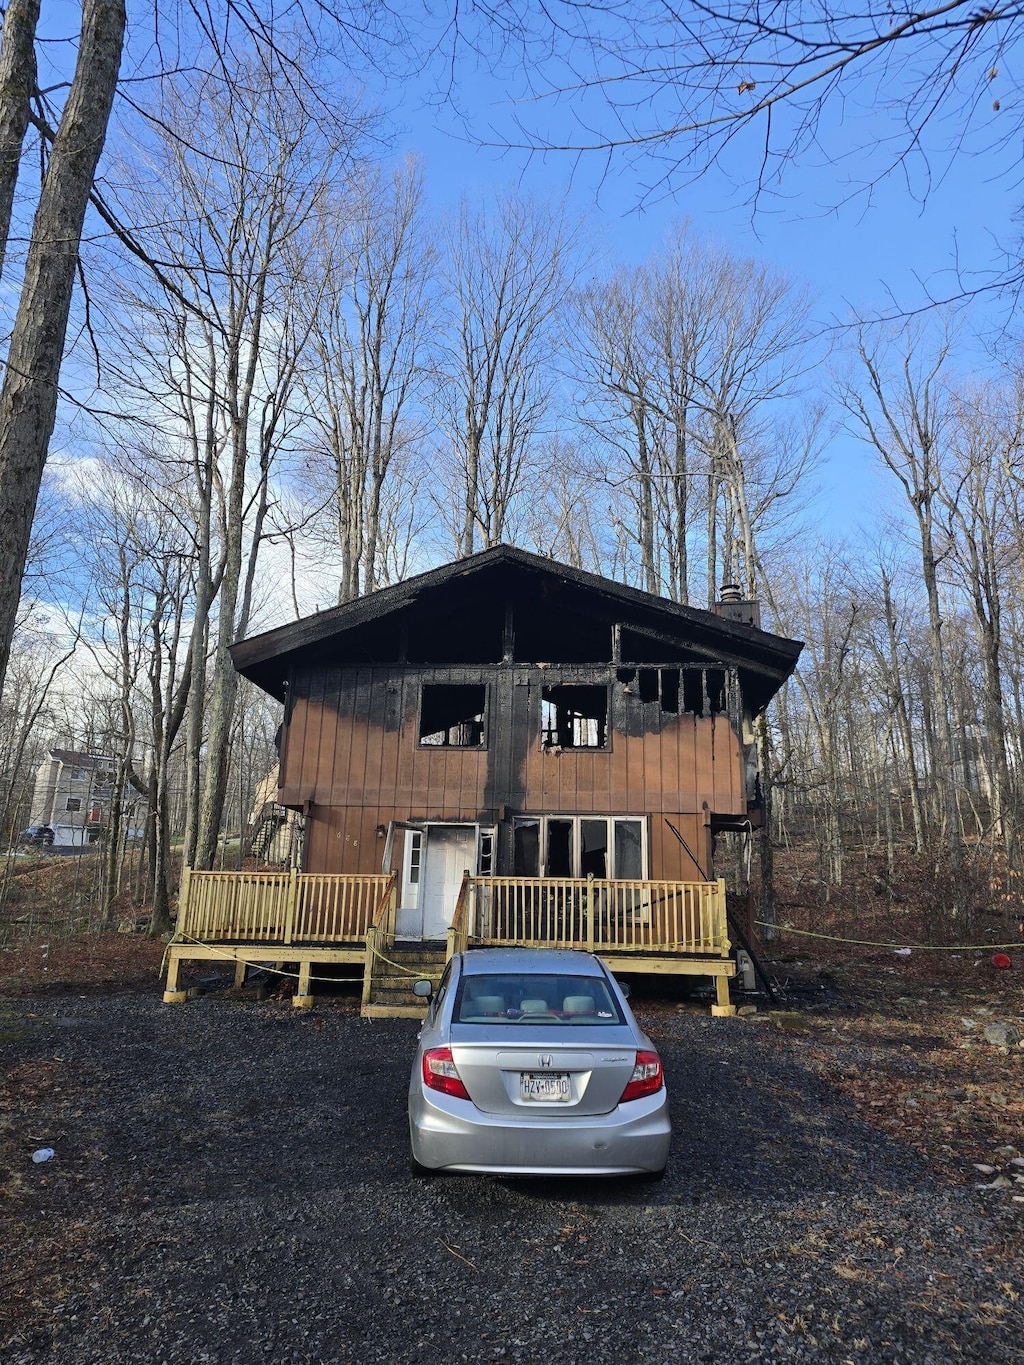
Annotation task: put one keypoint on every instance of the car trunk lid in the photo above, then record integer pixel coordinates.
(548, 1077)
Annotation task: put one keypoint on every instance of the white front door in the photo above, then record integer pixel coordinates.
(450, 850)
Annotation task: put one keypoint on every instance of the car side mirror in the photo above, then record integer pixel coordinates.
(625, 988)
(424, 989)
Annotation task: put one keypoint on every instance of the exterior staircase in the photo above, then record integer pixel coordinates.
(387, 992)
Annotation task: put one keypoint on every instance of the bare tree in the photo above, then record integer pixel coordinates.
(17, 86)
(507, 273)
(680, 358)
(562, 520)
(216, 351)
(676, 87)
(135, 514)
(978, 513)
(366, 304)
(28, 396)
(900, 408)
(212, 37)
(621, 390)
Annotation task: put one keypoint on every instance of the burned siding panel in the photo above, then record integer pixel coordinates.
(348, 759)
(299, 776)
(355, 739)
(375, 777)
(389, 698)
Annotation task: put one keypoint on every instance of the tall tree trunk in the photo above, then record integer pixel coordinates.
(17, 83)
(28, 399)
(768, 908)
(899, 702)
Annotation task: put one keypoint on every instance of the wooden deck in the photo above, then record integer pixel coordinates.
(312, 919)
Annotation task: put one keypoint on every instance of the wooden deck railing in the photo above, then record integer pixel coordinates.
(600, 915)
(380, 934)
(458, 930)
(280, 907)
(320, 908)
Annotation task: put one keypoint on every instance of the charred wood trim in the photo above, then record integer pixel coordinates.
(757, 649)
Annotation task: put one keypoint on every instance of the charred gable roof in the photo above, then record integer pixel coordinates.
(505, 604)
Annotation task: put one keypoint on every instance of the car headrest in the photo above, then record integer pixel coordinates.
(578, 1004)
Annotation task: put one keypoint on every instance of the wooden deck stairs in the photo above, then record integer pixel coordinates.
(387, 990)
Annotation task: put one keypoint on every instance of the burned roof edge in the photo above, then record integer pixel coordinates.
(309, 630)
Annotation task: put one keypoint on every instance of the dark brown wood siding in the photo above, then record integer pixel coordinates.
(352, 753)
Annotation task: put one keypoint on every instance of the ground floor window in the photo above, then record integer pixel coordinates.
(411, 871)
(581, 846)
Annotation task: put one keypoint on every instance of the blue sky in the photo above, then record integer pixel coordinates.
(866, 251)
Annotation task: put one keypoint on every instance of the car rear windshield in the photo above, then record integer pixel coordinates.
(535, 999)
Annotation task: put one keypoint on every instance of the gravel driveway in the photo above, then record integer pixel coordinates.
(230, 1185)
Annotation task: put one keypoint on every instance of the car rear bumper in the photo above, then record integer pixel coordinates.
(453, 1135)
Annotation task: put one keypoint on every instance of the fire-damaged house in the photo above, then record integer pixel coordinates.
(503, 750)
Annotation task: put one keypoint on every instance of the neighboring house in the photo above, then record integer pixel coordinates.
(72, 795)
(511, 715)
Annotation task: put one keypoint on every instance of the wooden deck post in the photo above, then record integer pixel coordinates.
(172, 995)
(589, 908)
(392, 925)
(184, 886)
(302, 999)
(371, 944)
(722, 924)
(723, 1008)
(290, 903)
(240, 970)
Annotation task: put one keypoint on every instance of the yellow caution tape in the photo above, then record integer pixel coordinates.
(256, 966)
(407, 971)
(873, 943)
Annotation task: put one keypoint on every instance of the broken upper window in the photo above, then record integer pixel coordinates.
(452, 716)
(574, 717)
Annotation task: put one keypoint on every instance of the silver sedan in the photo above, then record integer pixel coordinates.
(530, 1063)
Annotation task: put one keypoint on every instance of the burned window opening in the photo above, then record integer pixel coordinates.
(670, 691)
(580, 846)
(574, 717)
(716, 691)
(526, 848)
(559, 862)
(703, 691)
(647, 684)
(693, 691)
(452, 716)
(659, 685)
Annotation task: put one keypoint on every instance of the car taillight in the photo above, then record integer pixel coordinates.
(440, 1073)
(647, 1078)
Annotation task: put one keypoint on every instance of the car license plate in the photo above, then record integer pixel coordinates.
(547, 1087)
